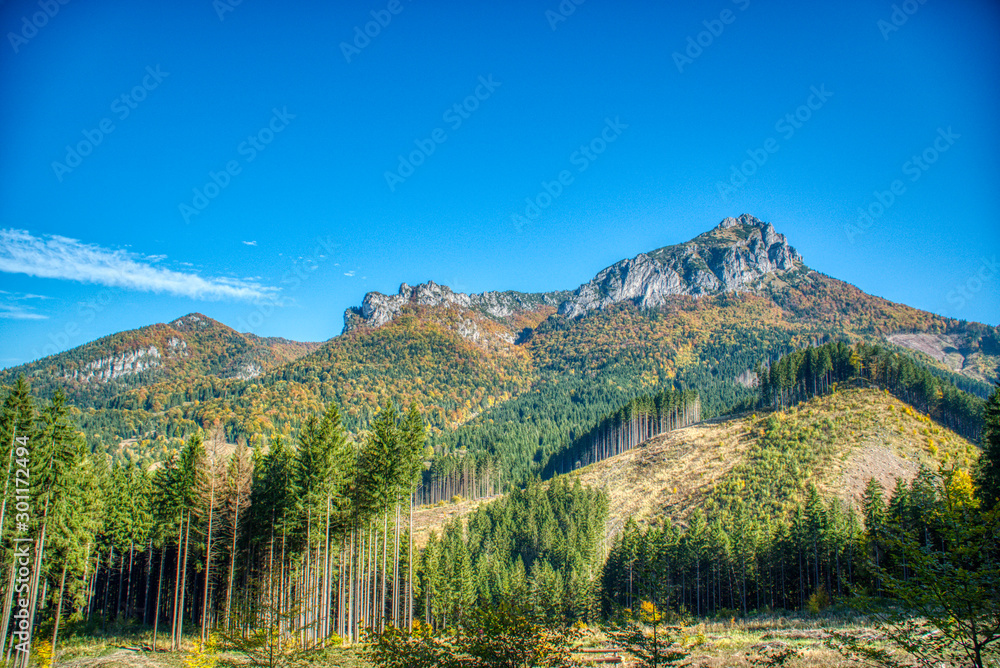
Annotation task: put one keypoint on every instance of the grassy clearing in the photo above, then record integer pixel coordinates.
(713, 643)
(856, 434)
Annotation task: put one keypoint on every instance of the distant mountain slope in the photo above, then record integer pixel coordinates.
(188, 348)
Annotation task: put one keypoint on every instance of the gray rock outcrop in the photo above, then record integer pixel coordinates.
(733, 257)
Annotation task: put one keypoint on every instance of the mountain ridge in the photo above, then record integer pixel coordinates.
(193, 344)
(738, 254)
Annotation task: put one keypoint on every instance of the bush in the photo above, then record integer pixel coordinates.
(819, 601)
(503, 636)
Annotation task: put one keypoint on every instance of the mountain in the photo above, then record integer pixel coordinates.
(190, 347)
(738, 255)
(506, 379)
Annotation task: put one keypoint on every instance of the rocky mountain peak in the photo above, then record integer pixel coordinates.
(734, 256)
(378, 309)
(193, 322)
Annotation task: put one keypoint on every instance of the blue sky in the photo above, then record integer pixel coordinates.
(232, 159)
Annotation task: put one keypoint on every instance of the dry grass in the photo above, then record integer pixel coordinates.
(736, 643)
(433, 518)
(712, 644)
(669, 474)
(873, 434)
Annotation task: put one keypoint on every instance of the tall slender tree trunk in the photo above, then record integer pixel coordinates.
(55, 629)
(232, 563)
(208, 554)
(37, 574)
(177, 583)
(159, 588)
(92, 594)
(128, 586)
(385, 554)
(327, 577)
(409, 576)
(395, 572)
(8, 603)
(180, 616)
(149, 575)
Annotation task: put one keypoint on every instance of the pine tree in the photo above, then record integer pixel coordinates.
(987, 476)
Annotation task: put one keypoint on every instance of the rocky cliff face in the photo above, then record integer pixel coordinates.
(377, 309)
(734, 256)
(109, 368)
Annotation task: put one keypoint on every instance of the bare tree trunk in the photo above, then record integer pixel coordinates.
(149, 575)
(208, 556)
(180, 616)
(328, 576)
(232, 564)
(8, 603)
(128, 586)
(55, 630)
(395, 571)
(352, 578)
(40, 550)
(409, 564)
(177, 583)
(159, 587)
(385, 554)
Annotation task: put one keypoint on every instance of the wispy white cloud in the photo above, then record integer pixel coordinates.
(10, 309)
(250, 243)
(72, 260)
(17, 312)
(349, 273)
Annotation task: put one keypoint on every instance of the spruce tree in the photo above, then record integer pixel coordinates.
(987, 475)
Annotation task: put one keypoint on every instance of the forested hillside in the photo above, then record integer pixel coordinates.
(503, 380)
(184, 351)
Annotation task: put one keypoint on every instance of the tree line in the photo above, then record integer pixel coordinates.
(305, 539)
(628, 427)
(805, 373)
